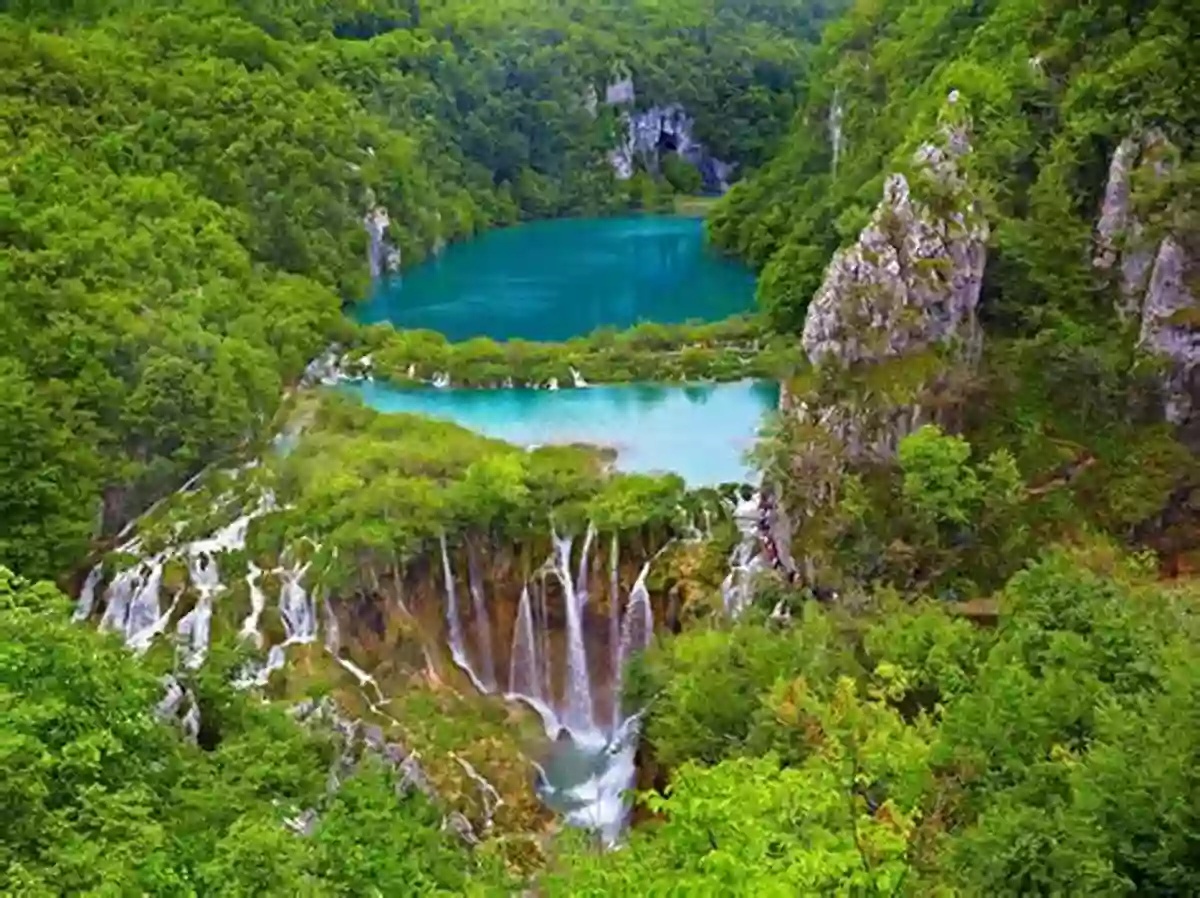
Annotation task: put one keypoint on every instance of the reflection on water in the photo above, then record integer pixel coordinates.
(699, 432)
(551, 280)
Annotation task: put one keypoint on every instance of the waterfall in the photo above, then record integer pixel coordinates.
(577, 379)
(143, 609)
(524, 673)
(296, 607)
(457, 647)
(636, 633)
(581, 579)
(258, 602)
(333, 633)
(197, 623)
(120, 593)
(140, 640)
(544, 637)
(483, 630)
(614, 624)
(836, 112)
(578, 714)
(745, 561)
(87, 595)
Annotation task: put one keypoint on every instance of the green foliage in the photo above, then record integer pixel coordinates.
(1050, 91)
(945, 760)
(377, 491)
(182, 201)
(106, 799)
(733, 349)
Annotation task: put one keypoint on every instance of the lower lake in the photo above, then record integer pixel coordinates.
(701, 432)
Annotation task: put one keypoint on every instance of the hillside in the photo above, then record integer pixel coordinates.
(949, 645)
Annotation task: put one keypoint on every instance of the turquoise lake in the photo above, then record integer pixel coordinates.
(700, 432)
(551, 280)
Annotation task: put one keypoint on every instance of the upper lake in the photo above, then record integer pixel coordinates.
(556, 279)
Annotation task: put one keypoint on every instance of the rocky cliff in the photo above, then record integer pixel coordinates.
(382, 256)
(649, 135)
(1153, 267)
(898, 307)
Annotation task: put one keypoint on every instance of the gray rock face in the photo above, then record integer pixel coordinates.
(382, 257)
(652, 134)
(893, 335)
(912, 280)
(1171, 328)
(1121, 239)
(1154, 274)
(621, 91)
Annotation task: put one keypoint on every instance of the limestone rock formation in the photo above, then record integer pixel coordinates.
(897, 311)
(651, 134)
(382, 256)
(913, 278)
(1121, 239)
(1171, 327)
(892, 334)
(1154, 271)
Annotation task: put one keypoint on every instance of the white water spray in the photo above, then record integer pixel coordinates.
(836, 113)
(483, 628)
(457, 646)
(578, 711)
(524, 672)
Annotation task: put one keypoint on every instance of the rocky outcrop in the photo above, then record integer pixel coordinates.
(913, 278)
(382, 256)
(1171, 328)
(650, 135)
(620, 91)
(1122, 244)
(1153, 271)
(893, 336)
(897, 310)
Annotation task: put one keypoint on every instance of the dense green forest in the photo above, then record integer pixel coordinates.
(1002, 696)
(185, 185)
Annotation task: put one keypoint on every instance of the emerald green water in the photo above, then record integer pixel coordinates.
(552, 280)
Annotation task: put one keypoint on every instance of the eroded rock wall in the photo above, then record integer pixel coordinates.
(1154, 268)
(650, 135)
(898, 309)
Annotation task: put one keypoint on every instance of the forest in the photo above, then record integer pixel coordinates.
(986, 680)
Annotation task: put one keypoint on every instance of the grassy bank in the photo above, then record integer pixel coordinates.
(731, 349)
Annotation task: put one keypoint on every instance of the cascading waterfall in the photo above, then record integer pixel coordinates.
(745, 561)
(258, 603)
(836, 113)
(458, 649)
(143, 609)
(585, 558)
(578, 713)
(543, 621)
(525, 673)
(195, 626)
(296, 609)
(636, 633)
(592, 765)
(87, 594)
(483, 629)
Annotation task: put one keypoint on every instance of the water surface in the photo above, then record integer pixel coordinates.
(700, 432)
(561, 278)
